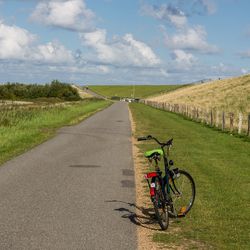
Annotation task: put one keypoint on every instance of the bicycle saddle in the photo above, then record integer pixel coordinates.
(152, 153)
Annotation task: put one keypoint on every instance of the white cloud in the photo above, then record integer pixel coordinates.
(52, 52)
(223, 68)
(123, 56)
(186, 38)
(86, 69)
(14, 42)
(67, 14)
(245, 54)
(202, 7)
(193, 39)
(19, 44)
(183, 59)
(124, 51)
(157, 72)
(177, 12)
(166, 12)
(245, 71)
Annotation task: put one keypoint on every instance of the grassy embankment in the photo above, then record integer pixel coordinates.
(137, 91)
(23, 128)
(219, 165)
(229, 95)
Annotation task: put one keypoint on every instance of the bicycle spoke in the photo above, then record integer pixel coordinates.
(183, 193)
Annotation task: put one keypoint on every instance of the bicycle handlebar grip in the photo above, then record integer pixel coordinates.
(144, 138)
(141, 138)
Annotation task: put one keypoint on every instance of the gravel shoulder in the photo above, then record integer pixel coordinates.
(144, 214)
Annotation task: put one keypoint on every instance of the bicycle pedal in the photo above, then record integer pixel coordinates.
(181, 215)
(183, 210)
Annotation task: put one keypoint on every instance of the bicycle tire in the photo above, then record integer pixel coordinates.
(160, 207)
(182, 192)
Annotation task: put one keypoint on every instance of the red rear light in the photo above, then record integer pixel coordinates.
(150, 175)
(152, 191)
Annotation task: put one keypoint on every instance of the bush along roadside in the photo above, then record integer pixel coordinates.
(19, 91)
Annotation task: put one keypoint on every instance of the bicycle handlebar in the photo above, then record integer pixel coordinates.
(150, 137)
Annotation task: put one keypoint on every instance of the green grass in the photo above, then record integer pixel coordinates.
(26, 128)
(219, 164)
(140, 91)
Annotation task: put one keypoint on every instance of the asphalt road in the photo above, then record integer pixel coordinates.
(73, 191)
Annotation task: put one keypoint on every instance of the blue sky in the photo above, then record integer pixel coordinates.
(123, 42)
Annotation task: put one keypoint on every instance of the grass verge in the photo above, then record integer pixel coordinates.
(219, 165)
(35, 126)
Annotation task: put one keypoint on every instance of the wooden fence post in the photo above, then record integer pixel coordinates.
(197, 114)
(231, 117)
(217, 119)
(211, 118)
(192, 113)
(223, 121)
(248, 129)
(207, 117)
(240, 123)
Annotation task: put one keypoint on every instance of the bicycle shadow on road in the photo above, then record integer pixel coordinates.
(144, 217)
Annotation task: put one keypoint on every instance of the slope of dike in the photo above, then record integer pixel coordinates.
(230, 95)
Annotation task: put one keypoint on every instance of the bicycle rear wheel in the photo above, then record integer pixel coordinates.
(182, 191)
(160, 207)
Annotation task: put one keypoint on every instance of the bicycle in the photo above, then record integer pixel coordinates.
(173, 194)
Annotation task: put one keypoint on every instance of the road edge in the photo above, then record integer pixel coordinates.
(144, 236)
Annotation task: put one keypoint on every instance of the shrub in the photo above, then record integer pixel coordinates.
(19, 91)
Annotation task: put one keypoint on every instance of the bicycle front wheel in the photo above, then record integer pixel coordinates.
(182, 191)
(160, 207)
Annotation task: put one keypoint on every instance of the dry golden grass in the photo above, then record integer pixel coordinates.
(229, 95)
(83, 94)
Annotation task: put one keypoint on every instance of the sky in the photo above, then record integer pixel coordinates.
(123, 41)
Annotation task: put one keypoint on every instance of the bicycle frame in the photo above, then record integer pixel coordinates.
(158, 173)
(165, 180)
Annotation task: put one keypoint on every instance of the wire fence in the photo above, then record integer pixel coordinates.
(235, 122)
